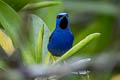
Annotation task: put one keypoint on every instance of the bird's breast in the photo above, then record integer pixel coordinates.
(60, 42)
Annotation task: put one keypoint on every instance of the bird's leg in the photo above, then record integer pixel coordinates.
(53, 59)
(88, 75)
(65, 62)
(82, 77)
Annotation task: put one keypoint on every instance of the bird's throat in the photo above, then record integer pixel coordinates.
(63, 23)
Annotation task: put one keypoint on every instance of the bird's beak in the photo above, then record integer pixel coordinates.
(64, 17)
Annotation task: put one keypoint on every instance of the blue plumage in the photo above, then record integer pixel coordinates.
(61, 39)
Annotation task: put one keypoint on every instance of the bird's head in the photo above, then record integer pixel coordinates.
(62, 20)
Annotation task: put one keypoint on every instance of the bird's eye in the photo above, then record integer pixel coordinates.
(59, 16)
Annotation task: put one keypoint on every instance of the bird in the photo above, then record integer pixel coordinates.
(61, 39)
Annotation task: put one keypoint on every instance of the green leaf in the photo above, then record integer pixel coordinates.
(34, 6)
(27, 57)
(17, 4)
(3, 66)
(39, 45)
(47, 58)
(78, 46)
(10, 20)
(36, 25)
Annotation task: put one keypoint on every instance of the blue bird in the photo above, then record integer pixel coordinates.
(62, 38)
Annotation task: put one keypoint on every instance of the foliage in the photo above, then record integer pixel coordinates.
(27, 25)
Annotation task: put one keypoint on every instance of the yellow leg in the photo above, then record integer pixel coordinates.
(53, 59)
(88, 75)
(65, 62)
(82, 77)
